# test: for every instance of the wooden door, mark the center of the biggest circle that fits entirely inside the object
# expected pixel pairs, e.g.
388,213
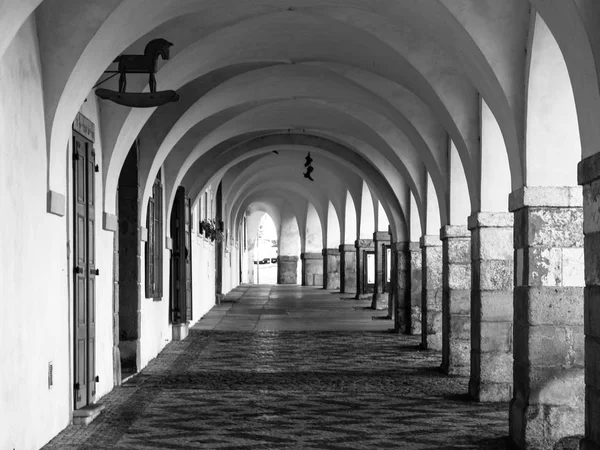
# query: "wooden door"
85,272
181,259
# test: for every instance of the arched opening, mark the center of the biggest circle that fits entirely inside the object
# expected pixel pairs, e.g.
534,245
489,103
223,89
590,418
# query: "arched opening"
266,251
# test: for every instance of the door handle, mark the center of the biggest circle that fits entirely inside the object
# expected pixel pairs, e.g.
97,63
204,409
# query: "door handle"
94,272
78,269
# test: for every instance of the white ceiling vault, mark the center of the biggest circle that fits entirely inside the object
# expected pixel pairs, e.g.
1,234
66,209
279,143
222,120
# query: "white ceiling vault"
377,90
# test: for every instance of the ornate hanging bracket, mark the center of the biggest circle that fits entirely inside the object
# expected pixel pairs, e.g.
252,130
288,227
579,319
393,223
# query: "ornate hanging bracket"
140,64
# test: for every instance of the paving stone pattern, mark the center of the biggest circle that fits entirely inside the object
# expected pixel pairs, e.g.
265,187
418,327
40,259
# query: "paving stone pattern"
290,367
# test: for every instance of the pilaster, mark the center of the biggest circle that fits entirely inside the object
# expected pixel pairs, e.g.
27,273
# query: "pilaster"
348,268
312,269
380,300
491,306
548,348
331,269
456,299
431,292
287,269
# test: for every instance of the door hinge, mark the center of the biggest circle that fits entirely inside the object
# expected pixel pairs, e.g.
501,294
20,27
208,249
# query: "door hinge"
97,168
97,379
77,386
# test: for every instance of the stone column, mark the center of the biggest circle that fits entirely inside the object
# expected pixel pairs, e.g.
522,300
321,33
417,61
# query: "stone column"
491,306
312,269
548,373
402,289
331,269
589,178
416,287
431,293
380,298
287,269
348,268
456,299
362,246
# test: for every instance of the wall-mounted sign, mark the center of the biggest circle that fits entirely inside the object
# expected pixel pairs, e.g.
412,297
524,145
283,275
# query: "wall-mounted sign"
85,127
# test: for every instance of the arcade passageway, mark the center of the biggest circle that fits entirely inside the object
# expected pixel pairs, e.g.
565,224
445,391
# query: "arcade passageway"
292,367
437,161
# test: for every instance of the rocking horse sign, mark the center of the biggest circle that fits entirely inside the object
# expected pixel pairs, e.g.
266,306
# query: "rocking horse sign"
140,64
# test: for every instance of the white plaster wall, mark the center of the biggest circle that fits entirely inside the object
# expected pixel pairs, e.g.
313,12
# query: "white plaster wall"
203,275
459,200
415,230
553,146
314,231
432,221
495,171
34,305
367,214
155,330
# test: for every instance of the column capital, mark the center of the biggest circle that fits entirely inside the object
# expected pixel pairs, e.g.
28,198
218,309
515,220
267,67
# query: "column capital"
287,258
588,169
310,255
430,240
546,196
454,231
330,251
379,236
363,243
347,248
491,220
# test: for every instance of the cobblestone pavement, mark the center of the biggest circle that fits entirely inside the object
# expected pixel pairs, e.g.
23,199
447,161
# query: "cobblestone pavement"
280,367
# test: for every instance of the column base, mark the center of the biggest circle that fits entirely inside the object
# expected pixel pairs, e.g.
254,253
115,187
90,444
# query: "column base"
380,301
542,425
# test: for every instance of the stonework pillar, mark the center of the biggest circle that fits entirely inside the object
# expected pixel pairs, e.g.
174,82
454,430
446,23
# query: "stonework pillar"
287,269
331,268
456,299
381,239
362,247
312,269
348,268
431,293
416,287
548,347
402,289
589,178
491,306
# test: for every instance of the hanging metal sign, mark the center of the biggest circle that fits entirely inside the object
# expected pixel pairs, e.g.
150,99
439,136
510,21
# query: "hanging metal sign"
140,64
